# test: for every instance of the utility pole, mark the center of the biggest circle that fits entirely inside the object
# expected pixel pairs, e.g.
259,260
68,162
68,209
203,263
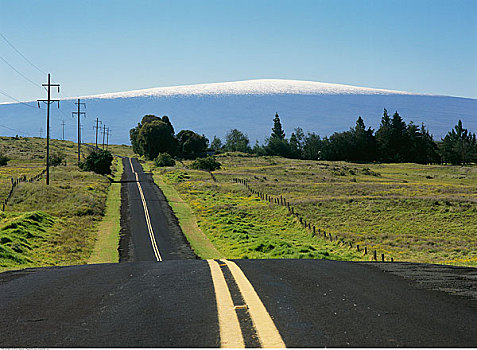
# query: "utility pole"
107,138
48,102
63,125
97,122
79,113
104,133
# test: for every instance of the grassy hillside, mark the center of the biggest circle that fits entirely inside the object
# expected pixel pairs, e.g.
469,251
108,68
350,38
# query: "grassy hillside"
242,226
48,225
408,211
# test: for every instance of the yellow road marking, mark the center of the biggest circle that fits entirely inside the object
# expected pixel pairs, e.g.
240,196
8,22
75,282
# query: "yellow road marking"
267,332
230,332
157,254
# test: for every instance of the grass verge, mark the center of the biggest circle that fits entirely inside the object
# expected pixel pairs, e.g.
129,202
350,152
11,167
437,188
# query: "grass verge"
241,226
107,240
187,220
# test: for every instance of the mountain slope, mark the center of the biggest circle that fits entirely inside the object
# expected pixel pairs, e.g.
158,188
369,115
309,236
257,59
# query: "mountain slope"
213,109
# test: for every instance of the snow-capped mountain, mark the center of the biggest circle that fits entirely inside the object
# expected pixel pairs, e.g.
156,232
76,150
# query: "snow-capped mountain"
213,109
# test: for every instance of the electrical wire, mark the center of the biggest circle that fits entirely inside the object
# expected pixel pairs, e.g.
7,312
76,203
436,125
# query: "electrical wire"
16,70
13,98
18,51
20,131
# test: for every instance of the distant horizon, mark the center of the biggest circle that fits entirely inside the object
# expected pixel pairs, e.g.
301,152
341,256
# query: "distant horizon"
112,94
94,47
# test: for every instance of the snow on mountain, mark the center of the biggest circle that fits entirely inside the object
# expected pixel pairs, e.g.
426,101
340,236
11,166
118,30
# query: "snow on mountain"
252,87
213,109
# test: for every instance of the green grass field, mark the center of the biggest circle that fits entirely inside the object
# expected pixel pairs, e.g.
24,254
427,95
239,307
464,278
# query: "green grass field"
242,226
59,224
407,211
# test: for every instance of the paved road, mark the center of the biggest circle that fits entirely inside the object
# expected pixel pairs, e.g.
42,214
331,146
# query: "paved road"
312,303
165,297
151,230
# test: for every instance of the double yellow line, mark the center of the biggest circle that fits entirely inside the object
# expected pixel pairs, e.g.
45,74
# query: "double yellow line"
230,332
157,254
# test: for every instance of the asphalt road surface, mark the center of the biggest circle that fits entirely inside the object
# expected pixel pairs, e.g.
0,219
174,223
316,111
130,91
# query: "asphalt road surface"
313,303
151,229
165,297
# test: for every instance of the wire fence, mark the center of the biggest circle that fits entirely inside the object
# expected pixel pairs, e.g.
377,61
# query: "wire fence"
19,180
315,231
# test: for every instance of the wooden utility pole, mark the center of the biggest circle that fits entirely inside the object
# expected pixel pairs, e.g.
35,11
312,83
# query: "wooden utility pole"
48,102
63,125
79,113
104,133
107,138
97,122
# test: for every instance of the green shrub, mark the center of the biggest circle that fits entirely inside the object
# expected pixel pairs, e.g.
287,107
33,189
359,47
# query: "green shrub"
99,162
3,160
208,163
57,158
164,159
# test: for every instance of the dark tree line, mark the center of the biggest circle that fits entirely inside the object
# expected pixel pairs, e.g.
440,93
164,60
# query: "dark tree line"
394,141
155,135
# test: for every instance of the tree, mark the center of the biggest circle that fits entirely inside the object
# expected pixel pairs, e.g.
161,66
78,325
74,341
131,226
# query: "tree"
312,147
363,143
383,138
134,133
156,137
98,161
422,148
236,141
216,144
276,144
277,131
459,146
133,136
208,163
297,139
191,145
164,159
258,149
399,143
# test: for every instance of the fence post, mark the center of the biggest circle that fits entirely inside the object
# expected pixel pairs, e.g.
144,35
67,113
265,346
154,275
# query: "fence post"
357,247
314,233
365,250
374,256
382,257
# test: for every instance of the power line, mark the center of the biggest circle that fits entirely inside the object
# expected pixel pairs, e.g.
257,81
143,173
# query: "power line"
13,98
26,59
20,131
16,70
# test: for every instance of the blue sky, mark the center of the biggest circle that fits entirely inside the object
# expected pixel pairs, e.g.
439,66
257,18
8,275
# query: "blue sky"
93,46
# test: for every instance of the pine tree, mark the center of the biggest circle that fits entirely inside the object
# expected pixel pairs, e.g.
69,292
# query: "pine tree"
459,146
383,138
277,131
399,143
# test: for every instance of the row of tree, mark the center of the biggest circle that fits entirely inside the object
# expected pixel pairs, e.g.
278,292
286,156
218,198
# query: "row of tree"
155,135
394,141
